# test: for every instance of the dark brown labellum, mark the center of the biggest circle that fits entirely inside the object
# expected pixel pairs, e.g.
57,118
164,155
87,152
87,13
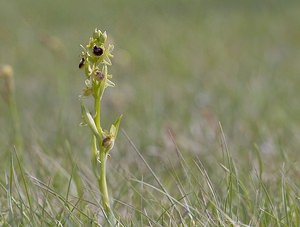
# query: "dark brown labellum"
107,142
99,75
98,51
81,63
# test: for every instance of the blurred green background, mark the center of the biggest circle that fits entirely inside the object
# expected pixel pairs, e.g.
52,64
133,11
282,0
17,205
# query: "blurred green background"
180,68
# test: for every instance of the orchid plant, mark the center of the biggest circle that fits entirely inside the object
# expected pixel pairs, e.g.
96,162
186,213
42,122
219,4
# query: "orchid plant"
95,59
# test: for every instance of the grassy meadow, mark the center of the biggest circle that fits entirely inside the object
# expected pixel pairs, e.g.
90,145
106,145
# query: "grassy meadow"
209,92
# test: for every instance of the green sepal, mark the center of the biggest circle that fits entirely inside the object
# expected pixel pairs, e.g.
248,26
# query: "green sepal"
109,83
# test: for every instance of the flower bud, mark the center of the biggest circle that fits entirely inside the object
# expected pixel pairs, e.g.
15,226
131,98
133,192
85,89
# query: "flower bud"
87,91
6,71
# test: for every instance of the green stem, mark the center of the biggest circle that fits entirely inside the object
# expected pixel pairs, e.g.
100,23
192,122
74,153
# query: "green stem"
9,80
103,189
16,122
98,113
103,158
102,182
